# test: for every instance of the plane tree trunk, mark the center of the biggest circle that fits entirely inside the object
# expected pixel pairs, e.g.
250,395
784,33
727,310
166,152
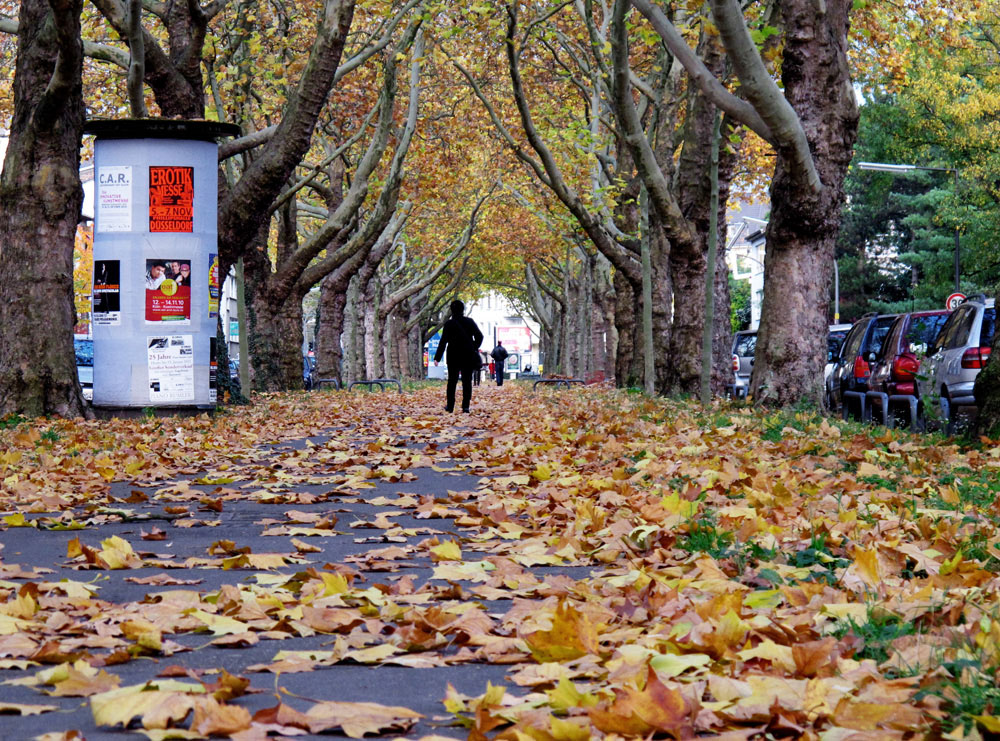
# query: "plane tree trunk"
811,121
40,199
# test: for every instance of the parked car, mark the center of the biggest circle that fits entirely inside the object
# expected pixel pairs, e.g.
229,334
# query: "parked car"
834,341
848,382
308,372
892,390
83,346
234,374
947,374
744,345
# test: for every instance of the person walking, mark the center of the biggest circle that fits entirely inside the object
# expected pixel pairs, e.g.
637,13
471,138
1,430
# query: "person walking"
499,355
462,338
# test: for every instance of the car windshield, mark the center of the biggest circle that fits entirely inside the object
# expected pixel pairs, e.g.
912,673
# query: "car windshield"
924,329
84,351
880,328
745,345
834,341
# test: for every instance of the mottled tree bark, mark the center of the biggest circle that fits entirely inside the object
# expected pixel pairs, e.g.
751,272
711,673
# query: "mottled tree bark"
40,198
275,319
802,231
628,306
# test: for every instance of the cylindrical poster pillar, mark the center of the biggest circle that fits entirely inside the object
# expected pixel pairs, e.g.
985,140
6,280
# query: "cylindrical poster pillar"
156,276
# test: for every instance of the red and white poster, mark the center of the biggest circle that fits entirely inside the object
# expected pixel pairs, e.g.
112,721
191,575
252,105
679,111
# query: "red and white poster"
171,199
168,291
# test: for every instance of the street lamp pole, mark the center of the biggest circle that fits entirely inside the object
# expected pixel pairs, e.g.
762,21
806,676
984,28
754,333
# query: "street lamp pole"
886,167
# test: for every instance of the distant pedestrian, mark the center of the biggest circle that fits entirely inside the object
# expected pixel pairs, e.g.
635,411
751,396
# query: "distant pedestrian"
499,355
462,338
477,373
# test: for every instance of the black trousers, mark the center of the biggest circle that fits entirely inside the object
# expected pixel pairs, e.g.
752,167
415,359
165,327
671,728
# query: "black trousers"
454,373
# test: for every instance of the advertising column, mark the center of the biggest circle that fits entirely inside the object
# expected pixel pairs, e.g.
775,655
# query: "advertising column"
156,283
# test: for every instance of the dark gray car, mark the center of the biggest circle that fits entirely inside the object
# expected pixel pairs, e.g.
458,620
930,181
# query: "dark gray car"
848,382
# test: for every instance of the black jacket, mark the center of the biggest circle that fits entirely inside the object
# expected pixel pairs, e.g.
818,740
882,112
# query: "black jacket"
499,354
462,339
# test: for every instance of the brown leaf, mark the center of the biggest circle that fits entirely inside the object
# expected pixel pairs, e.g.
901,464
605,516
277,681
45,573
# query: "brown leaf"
654,708
357,719
212,718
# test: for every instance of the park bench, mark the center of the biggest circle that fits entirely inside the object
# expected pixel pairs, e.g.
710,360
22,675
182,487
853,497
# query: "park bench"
557,382
380,382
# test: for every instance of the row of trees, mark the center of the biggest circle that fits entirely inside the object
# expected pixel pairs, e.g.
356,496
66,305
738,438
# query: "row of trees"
393,162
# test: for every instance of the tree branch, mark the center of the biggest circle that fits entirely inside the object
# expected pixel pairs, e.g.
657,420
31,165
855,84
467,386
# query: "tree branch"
739,109
763,92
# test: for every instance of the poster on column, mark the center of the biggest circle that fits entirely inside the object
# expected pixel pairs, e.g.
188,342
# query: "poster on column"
170,362
171,199
168,291
107,293
213,285
114,199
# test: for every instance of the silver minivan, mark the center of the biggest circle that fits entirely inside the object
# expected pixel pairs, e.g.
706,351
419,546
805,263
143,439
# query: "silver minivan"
948,372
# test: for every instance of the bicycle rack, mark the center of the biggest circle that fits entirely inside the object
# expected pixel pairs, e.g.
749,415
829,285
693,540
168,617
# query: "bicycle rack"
557,382
380,382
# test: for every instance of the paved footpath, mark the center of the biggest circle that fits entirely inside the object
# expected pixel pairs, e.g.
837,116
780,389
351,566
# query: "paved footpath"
316,569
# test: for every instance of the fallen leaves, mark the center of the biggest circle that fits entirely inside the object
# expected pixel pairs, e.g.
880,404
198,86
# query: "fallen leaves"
640,567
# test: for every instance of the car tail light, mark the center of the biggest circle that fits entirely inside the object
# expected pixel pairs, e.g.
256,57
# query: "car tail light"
905,367
861,368
975,357
736,363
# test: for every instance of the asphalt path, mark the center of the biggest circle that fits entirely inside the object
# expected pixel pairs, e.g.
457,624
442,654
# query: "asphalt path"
252,502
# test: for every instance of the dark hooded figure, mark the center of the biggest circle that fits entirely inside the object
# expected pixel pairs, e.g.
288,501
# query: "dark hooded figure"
462,338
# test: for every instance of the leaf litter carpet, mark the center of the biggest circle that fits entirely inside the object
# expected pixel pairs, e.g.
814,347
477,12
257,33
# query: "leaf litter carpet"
557,565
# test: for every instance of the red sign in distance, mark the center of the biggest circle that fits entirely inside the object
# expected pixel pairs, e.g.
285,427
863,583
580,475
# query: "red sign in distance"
953,301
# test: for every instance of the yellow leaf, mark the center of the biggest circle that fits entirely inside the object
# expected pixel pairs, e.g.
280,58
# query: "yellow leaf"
542,472
990,722
668,666
18,520
117,553
157,704
952,563
866,561
220,625
447,551
566,696
372,655
568,730
675,505
780,656
763,599
572,635
144,633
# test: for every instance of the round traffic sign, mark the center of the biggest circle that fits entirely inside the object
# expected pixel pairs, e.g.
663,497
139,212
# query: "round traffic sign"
954,300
